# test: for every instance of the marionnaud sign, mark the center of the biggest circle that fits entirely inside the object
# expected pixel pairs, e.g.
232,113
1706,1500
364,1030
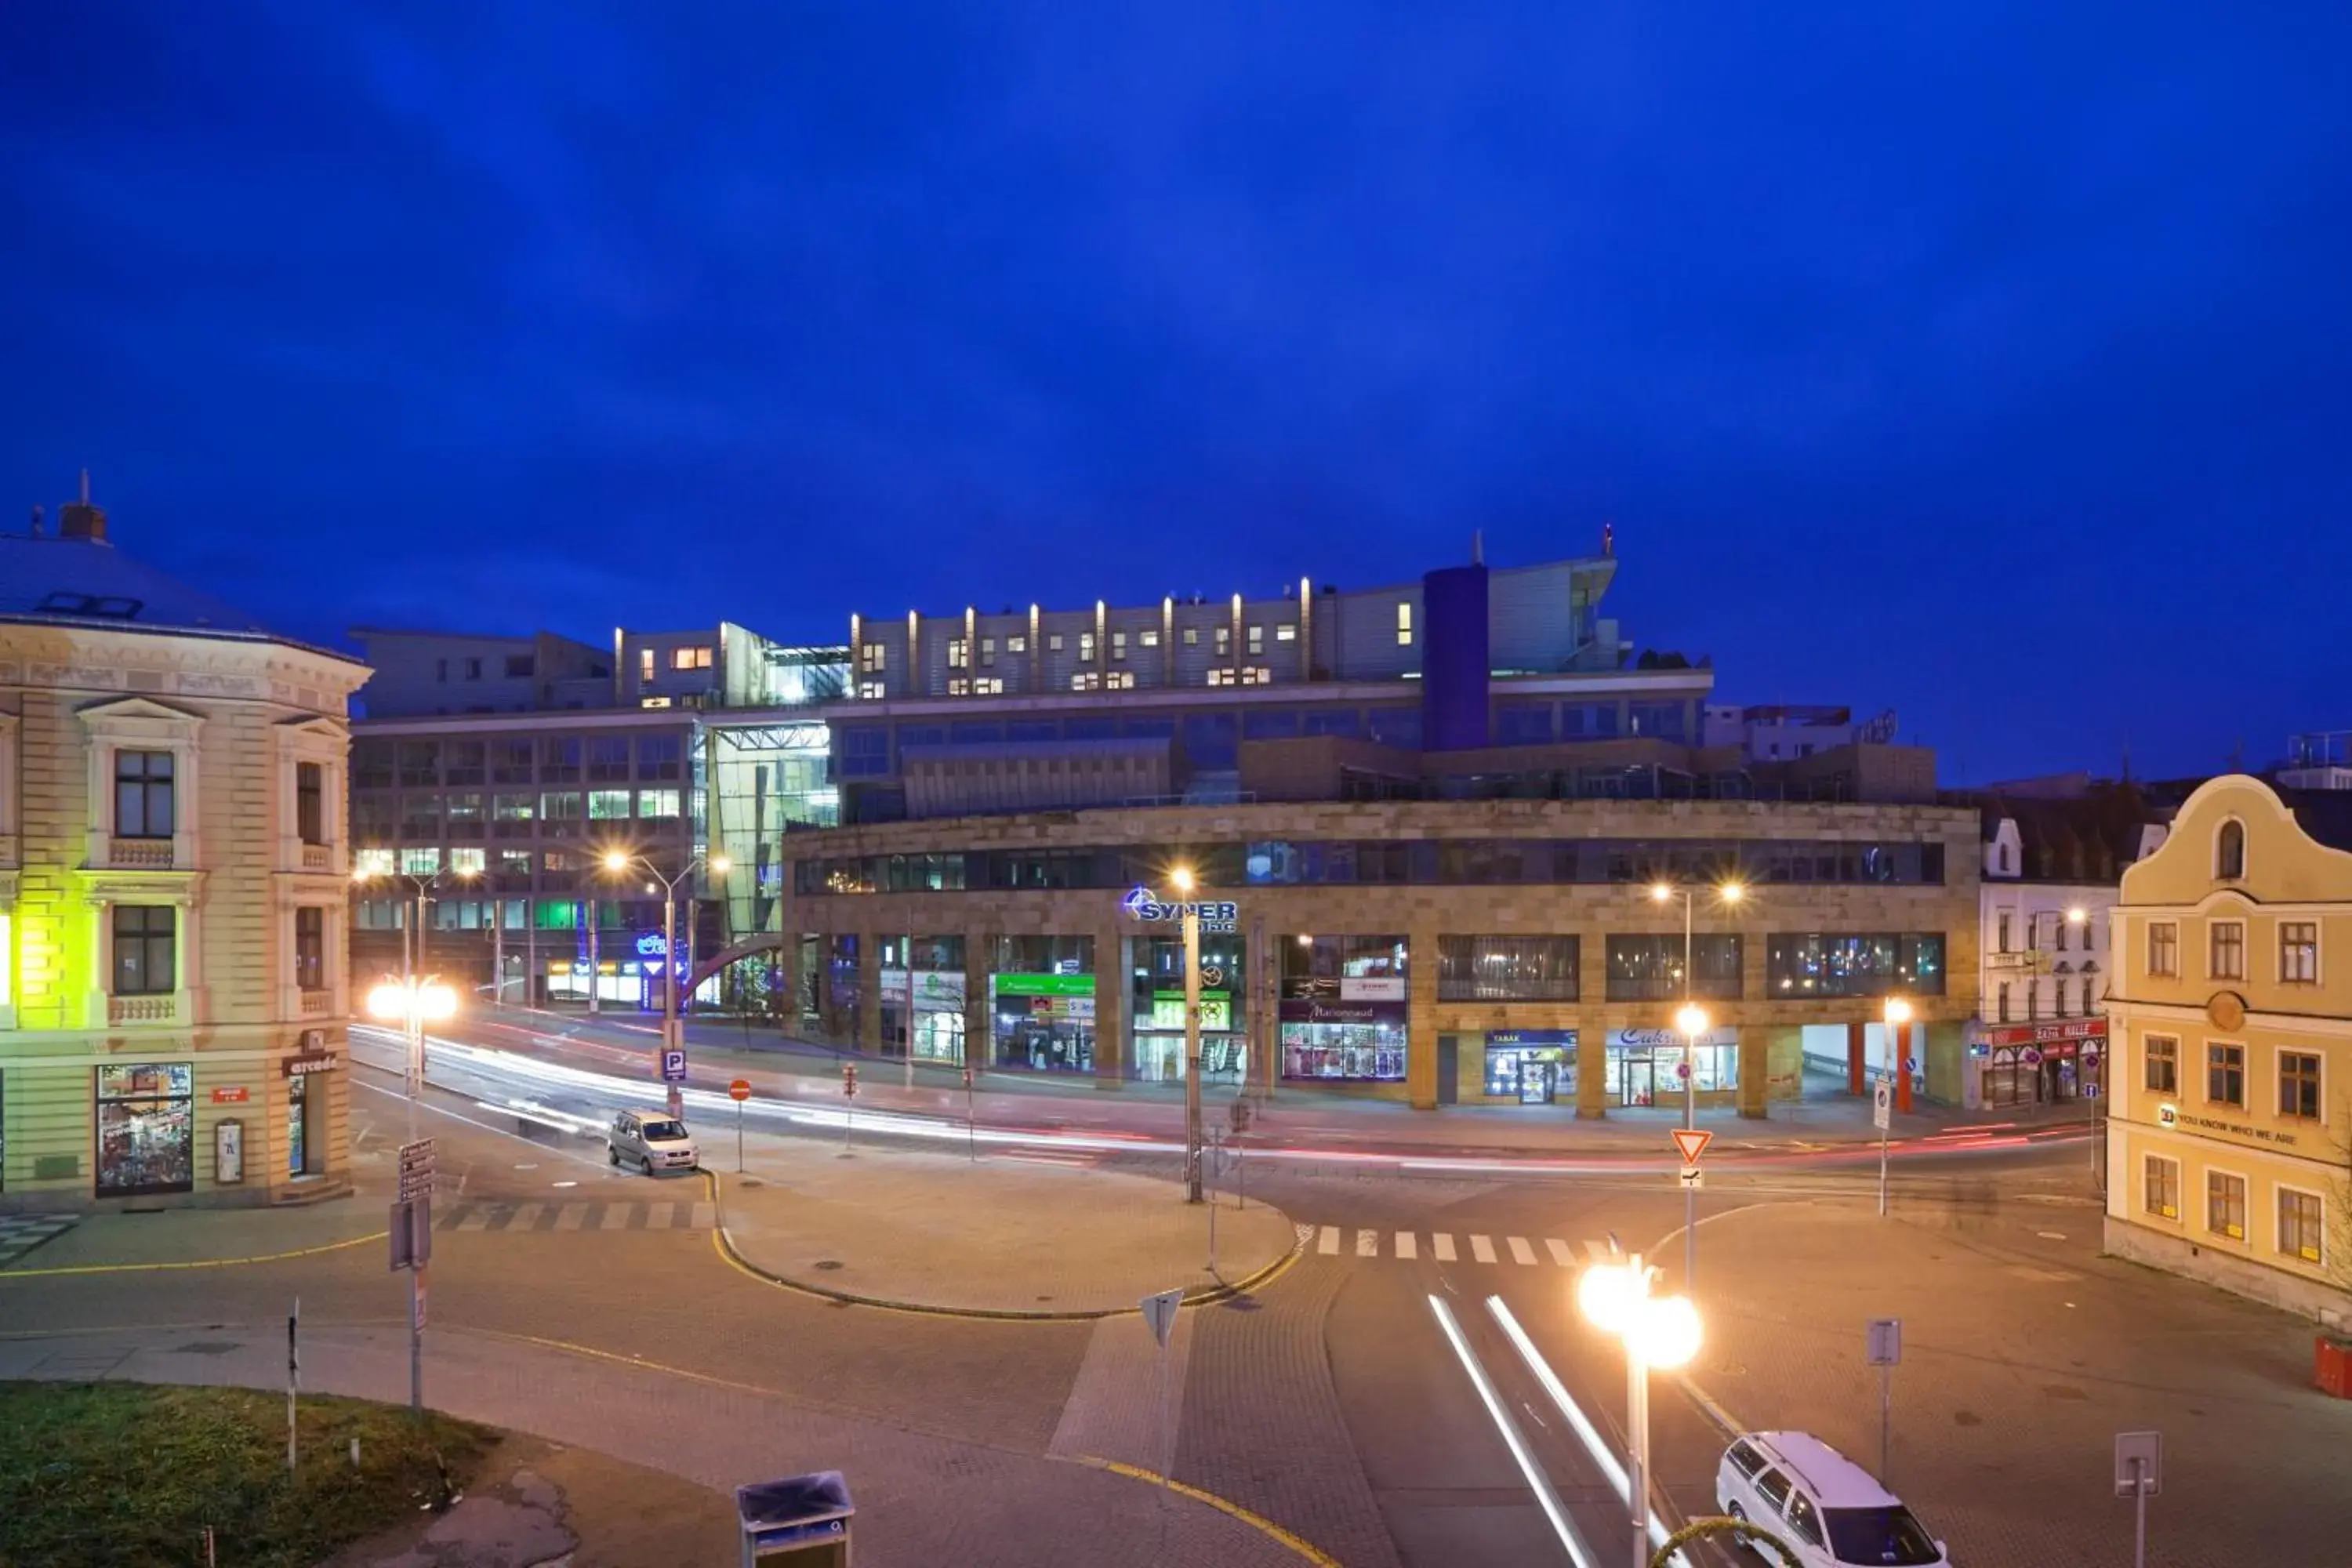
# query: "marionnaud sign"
1142,904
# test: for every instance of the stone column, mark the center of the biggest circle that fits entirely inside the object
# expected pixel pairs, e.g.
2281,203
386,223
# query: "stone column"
1420,1016
1853,1054
786,997
1754,1070
869,992
1110,1008
1591,1037
979,963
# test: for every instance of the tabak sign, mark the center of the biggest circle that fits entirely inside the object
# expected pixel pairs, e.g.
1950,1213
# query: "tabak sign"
1142,904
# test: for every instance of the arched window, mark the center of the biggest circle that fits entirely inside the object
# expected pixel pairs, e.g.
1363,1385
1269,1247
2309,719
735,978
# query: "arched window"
2230,851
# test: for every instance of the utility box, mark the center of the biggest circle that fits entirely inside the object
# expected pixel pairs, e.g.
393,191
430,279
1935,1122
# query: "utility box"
2333,1368
803,1519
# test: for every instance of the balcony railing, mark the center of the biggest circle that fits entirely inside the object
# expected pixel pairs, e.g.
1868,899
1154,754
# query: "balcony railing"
317,1003
315,857
139,854
141,1009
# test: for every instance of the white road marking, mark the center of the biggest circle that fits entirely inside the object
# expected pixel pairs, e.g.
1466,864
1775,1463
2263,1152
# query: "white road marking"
1443,1245
1329,1246
1520,1251
569,1216
616,1217
1368,1244
1559,1252
1406,1246
657,1216
526,1217
1482,1249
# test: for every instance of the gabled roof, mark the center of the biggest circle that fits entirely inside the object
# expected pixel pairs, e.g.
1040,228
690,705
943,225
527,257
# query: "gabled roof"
2086,839
88,582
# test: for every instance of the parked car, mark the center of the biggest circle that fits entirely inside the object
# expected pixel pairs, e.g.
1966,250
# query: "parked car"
652,1141
1829,1510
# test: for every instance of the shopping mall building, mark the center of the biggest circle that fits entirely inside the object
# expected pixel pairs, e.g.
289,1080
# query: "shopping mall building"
1426,823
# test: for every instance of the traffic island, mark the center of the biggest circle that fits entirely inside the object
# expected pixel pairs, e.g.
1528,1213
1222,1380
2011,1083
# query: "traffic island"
999,1237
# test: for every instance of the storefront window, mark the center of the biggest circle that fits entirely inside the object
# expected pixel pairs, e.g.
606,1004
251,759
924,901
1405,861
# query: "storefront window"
935,1012
1874,964
1650,968
1044,1023
1336,1041
1534,1066
1645,1066
1507,968
146,1129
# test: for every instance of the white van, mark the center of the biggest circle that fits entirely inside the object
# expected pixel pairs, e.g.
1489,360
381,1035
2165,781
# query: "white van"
1827,1508
651,1140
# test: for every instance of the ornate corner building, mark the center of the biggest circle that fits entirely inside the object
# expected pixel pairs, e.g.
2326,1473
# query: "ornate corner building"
173,884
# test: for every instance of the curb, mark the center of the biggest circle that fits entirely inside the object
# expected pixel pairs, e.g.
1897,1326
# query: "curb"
724,1244
13,1273
1715,1413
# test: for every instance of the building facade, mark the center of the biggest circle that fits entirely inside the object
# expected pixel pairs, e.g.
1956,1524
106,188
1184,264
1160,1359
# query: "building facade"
1441,952
173,871
2229,1132
2050,874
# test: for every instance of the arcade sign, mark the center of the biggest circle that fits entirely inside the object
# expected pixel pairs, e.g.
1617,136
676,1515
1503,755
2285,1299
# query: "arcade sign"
1142,904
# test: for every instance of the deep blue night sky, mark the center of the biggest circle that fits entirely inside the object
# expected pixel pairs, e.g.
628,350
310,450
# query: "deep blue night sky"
1983,360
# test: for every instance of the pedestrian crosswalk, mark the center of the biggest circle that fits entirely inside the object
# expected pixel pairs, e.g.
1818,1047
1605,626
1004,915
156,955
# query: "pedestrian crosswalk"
20,1233
635,1215
1444,1247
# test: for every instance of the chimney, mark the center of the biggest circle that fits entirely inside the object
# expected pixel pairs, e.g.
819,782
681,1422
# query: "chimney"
79,520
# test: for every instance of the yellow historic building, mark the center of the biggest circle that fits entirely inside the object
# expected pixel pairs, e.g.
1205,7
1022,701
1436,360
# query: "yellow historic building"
2229,1137
173,878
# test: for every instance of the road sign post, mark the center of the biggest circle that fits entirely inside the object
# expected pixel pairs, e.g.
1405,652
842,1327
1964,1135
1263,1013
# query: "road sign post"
849,1106
2139,1475
970,1119
738,1092
1883,1345
412,1216
1882,1113
1690,1142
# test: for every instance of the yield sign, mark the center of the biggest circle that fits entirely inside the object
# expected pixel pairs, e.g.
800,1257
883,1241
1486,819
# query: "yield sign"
1693,1142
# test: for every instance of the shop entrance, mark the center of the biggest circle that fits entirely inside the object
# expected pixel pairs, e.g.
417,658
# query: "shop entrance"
1533,1067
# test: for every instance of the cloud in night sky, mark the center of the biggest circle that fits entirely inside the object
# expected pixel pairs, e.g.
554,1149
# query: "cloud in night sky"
1981,360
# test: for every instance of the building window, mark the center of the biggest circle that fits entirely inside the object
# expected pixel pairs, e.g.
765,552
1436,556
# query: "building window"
645,664
1220,675
441,670
473,670
2062,933
2000,932
142,794
2227,956
958,687
1119,645
959,652
2162,1073
2087,1004
520,666
1256,641
310,802
988,686
656,805
2225,1205
1224,641
608,805
2230,852
2163,947
1650,968
2032,1001
869,690
1148,639
1286,632
1086,645
2003,995
2300,1215
2298,1084
467,862
1054,642
1404,624
1256,674
1191,636
1122,681
1507,968
689,658
144,964
2225,1074
310,947
2161,1197
873,658
1016,645
146,1129
988,653
2299,953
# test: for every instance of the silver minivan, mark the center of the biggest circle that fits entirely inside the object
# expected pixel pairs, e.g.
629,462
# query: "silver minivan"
652,1141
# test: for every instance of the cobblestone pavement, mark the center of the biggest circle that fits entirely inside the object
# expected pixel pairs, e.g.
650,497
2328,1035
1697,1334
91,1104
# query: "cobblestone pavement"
2024,1353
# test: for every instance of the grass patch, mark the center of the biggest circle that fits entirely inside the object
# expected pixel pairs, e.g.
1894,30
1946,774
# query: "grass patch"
129,1473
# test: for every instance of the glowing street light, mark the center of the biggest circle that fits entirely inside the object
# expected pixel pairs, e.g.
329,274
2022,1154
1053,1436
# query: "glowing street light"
1181,879
617,861
1692,1020
1657,1331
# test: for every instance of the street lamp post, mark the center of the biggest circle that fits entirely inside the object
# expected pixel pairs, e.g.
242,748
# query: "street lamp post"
412,960
1662,1332
1181,878
1898,1013
618,860
414,1004
1693,1022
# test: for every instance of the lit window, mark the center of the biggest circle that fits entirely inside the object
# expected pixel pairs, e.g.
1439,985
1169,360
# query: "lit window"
1257,639
1404,624
989,686
1221,675
2225,1205
1054,642
664,701
2163,947
2299,952
645,664
657,805
467,862
2162,1191
1224,641
869,690
1016,645
987,653
1122,681
689,658
1085,645
1119,645
1148,639
958,687
1086,680
2299,1220
959,652
1191,636
2228,951
1286,632
873,658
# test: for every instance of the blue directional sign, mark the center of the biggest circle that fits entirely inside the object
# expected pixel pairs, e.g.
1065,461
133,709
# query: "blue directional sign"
674,1066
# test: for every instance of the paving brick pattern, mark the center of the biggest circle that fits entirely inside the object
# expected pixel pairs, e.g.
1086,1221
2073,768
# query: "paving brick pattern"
1261,1423
2022,1357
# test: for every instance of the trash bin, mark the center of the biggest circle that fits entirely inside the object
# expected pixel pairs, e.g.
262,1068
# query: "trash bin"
2334,1368
803,1518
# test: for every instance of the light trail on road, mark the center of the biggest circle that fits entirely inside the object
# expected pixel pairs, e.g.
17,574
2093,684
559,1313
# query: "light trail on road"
1537,1482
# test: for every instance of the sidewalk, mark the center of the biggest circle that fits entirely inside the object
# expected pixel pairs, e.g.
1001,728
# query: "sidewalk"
2024,1353
1002,1237
200,1238
782,1068
922,1499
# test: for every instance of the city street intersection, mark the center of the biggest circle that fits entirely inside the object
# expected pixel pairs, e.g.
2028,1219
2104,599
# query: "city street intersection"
1330,1411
